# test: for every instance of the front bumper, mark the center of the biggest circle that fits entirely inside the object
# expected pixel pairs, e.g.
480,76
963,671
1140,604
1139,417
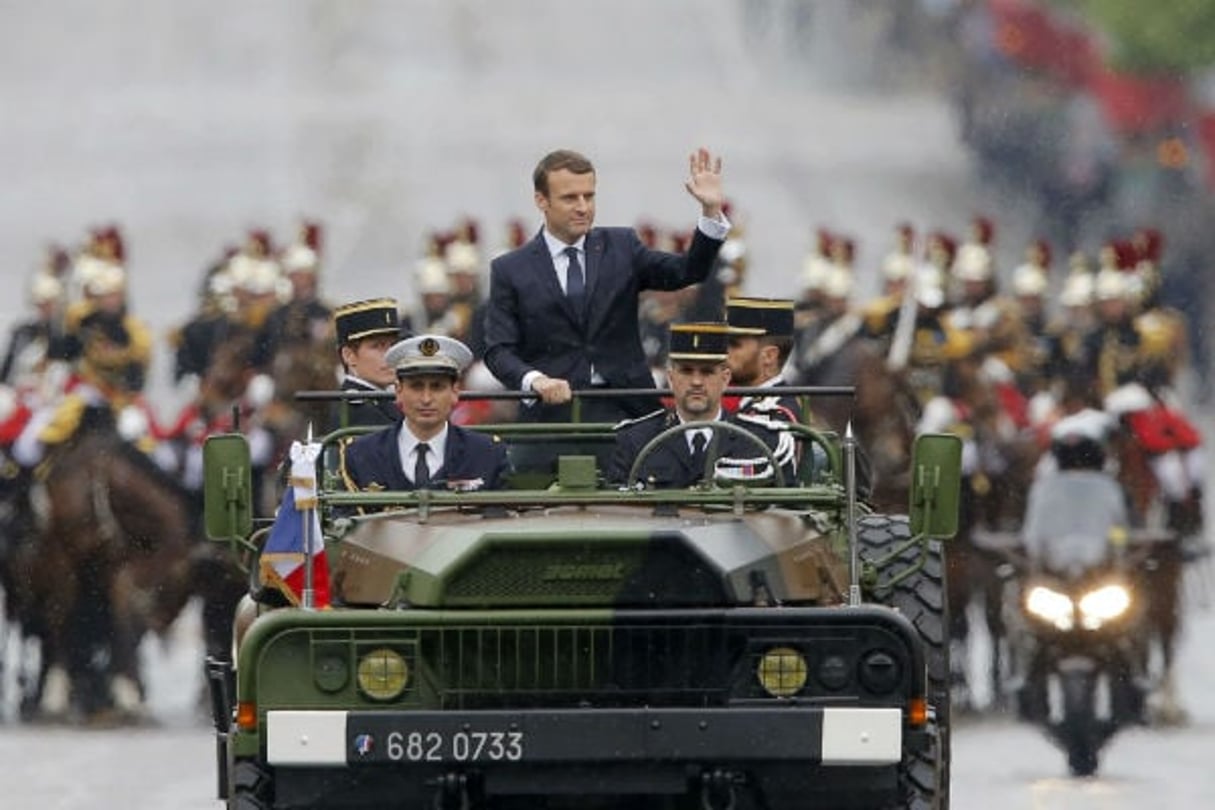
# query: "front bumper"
330,757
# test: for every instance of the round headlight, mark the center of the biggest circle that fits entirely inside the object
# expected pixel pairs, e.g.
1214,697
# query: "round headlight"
1103,605
782,671
1051,606
382,674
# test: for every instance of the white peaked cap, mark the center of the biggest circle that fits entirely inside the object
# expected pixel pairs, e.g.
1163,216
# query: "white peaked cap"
428,354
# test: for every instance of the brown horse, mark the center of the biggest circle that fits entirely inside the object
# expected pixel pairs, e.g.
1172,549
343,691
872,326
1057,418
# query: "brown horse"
1161,575
883,416
117,531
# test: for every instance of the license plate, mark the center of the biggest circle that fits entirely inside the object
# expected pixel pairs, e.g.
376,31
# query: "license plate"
434,745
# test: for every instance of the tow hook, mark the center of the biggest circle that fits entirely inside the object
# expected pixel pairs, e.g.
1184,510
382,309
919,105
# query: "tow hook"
451,791
717,789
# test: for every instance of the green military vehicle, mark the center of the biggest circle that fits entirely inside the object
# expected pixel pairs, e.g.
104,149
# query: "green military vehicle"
742,643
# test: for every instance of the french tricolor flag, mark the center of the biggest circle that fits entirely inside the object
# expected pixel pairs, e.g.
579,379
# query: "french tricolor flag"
297,527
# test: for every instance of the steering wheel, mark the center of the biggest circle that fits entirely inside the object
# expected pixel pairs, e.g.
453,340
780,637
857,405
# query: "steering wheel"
712,452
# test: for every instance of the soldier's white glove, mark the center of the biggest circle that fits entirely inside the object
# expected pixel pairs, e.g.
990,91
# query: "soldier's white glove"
260,391
132,423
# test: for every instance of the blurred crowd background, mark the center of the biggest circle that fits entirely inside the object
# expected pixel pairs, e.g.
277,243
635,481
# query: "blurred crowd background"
167,139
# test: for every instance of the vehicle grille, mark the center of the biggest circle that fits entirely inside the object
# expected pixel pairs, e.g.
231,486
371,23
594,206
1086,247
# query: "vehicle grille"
489,667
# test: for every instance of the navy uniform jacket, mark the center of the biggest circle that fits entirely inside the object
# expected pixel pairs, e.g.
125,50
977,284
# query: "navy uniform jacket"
530,324
374,461
368,412
783,407
670,464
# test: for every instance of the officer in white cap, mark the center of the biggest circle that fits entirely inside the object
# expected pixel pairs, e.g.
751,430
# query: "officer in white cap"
424,450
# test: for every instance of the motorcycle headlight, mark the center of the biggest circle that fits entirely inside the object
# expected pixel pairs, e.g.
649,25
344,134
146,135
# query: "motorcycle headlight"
1103,604
1051,607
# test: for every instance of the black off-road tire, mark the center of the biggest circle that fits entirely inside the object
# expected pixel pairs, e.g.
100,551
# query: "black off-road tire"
921,597
252,787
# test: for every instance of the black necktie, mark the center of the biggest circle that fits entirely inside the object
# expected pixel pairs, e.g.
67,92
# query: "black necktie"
698,451
421,470
575,287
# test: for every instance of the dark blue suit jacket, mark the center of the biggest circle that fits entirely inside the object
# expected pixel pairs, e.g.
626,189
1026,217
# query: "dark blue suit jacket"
530,323
373,460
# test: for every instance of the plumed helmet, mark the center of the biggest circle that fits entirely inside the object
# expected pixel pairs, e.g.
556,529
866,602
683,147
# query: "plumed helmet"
1111,284
897,266
105,278
838,283
1077,290
462,257
300,258
973,263
1029,281
254,276
45,288
431,276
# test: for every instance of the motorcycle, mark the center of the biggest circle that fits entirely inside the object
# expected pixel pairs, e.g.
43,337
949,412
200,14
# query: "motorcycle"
1082,646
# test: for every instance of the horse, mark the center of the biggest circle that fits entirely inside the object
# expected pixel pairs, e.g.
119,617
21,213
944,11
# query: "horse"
883,415
1162,575
117,531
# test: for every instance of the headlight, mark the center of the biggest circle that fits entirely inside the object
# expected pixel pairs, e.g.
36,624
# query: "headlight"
382,674
1051,606
1103,605
782,671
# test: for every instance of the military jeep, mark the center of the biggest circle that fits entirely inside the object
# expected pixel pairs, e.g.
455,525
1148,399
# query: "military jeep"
563,643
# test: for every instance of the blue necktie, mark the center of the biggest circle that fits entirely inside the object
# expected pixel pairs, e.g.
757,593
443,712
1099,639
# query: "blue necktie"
575,287
421,470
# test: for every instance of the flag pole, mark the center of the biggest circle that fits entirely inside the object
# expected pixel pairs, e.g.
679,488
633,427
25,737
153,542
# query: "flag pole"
308,600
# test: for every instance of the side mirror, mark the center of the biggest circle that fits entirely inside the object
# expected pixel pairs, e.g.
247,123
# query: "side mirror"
936,483
227,487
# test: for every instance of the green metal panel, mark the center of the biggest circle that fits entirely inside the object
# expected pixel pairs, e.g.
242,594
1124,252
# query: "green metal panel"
227,487
936,478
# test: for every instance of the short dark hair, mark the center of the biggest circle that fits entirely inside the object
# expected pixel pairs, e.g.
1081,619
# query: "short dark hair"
566,159
783,344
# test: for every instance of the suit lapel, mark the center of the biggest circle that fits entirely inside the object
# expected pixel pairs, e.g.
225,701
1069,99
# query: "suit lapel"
389,458
594,246
543,259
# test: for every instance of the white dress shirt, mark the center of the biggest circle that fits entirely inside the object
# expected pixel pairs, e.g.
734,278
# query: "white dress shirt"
407,448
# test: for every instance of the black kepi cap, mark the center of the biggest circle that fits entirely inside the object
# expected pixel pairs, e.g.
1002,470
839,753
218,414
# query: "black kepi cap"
360,319
772,317
707,342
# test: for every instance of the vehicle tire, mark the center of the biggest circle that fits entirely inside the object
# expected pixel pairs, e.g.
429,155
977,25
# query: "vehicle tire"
1078,728
252,787
921,598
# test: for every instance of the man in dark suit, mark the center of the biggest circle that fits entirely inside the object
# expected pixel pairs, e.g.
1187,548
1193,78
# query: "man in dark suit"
365,331
424,450
698,375
562,309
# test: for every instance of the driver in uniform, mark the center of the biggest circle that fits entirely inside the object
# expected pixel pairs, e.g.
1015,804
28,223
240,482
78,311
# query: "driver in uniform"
698,373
